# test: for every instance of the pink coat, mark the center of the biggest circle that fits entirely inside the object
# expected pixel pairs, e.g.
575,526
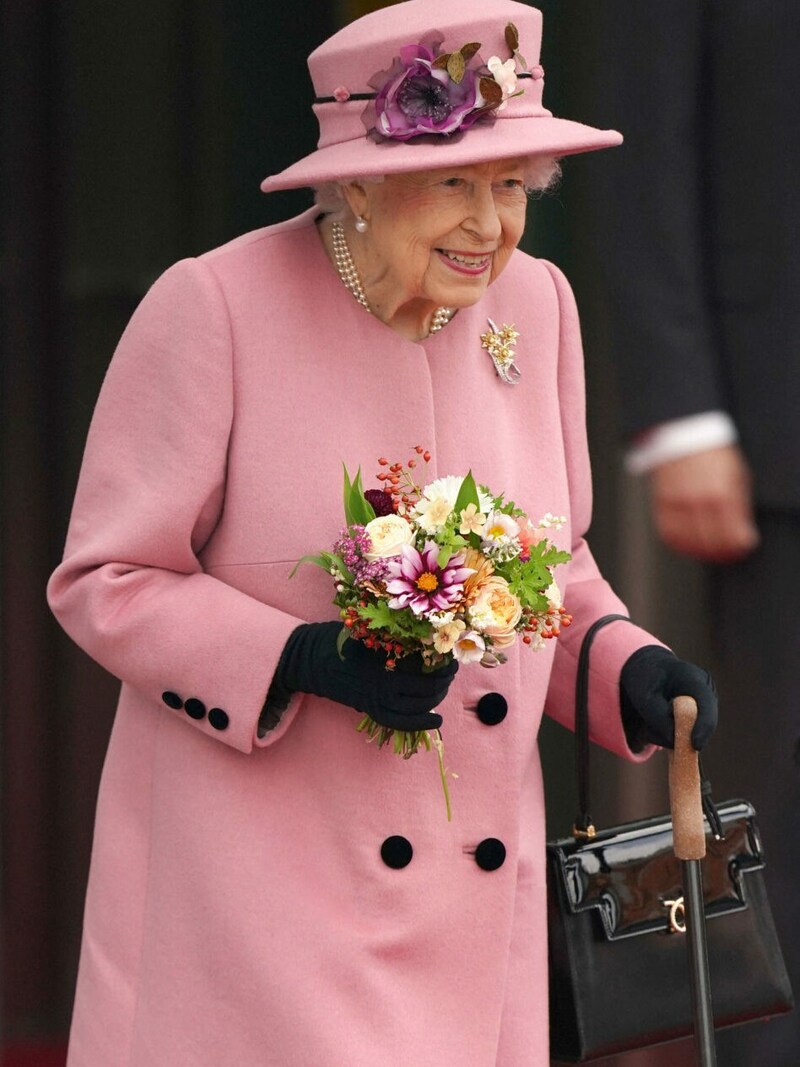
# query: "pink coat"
239,911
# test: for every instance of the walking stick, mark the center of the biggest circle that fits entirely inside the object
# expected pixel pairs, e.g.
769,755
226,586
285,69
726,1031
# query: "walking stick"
689,842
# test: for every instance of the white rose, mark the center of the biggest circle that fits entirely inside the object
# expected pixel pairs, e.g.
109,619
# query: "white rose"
388,534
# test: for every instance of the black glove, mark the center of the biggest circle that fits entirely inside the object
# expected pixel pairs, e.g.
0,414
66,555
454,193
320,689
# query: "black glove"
400,699
651,678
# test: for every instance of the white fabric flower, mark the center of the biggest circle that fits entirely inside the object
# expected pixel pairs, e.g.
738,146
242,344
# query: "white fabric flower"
505,75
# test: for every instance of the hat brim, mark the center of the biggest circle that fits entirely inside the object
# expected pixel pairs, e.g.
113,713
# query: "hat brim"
505,138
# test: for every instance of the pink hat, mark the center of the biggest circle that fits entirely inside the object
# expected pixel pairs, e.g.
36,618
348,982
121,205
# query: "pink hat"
406,89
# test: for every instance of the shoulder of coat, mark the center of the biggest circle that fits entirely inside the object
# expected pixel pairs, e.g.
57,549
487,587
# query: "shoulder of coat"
264,239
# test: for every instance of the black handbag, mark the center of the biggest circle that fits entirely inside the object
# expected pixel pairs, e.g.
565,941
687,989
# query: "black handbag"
618,967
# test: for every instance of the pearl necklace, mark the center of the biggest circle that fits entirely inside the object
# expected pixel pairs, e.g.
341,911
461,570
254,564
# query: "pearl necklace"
346,269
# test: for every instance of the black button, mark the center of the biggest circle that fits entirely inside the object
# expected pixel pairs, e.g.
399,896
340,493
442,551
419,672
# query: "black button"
492,708
396,852
194,708
218,719
490,854
172,700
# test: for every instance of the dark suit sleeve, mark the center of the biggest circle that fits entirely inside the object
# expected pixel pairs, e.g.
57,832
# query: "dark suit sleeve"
648,206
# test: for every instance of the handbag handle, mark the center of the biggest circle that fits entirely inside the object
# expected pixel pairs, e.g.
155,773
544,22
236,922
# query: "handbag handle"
583,821
584,827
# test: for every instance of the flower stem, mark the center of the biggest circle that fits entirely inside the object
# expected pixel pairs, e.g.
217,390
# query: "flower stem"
406,743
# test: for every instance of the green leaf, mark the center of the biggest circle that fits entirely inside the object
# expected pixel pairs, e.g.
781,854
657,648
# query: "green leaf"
467,494
346,495
357,509
456,67
445,554
512,37
341,640
491,92
321,561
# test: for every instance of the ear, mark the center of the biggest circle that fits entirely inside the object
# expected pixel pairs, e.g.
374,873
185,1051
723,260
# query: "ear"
356,196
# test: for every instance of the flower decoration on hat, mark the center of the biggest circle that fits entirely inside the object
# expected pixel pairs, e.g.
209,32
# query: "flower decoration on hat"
427,91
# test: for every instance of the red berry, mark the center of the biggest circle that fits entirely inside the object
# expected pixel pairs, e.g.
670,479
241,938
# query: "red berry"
383,461
412,463
419,449
427,457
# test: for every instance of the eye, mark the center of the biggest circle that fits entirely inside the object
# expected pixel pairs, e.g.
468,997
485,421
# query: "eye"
453,183
512,183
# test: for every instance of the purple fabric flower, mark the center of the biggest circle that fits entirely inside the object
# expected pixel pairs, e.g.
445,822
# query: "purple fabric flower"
416,99
418,582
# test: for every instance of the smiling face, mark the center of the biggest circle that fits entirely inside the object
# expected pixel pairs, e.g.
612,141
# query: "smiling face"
436,238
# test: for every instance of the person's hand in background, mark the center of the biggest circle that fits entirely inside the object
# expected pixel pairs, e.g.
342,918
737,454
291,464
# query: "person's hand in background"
702,505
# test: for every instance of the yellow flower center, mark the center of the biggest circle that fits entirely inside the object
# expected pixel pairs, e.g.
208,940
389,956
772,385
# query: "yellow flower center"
496,531
427,582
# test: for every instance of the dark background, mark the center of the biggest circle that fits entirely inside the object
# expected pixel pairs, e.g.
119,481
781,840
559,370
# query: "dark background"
133,134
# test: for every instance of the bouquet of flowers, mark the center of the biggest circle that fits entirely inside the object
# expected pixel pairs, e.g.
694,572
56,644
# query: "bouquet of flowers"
446,570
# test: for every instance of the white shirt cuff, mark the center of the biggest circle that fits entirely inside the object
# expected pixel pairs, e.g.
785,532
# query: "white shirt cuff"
678,438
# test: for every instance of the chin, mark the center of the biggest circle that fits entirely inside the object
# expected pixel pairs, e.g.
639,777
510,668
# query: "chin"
459,296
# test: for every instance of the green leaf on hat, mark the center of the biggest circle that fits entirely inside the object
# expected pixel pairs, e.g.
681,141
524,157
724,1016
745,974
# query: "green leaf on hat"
491,92
469,50
512,37
456,67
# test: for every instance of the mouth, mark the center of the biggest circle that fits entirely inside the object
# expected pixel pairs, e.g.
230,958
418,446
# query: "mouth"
472,263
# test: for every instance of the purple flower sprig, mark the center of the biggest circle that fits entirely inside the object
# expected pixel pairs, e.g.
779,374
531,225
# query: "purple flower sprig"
353,545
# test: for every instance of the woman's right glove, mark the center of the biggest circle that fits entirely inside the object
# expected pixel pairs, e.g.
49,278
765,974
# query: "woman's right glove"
400,699
650,680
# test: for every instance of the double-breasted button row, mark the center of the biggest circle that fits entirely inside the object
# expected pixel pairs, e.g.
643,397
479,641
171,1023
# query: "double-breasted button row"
196,709
397,852
492,708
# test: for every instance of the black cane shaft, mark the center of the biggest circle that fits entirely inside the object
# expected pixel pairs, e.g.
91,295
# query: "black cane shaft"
698,964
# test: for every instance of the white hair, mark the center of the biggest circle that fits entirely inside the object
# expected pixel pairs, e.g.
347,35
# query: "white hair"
540,174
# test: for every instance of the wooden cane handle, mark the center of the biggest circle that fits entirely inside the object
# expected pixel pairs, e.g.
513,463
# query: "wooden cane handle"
684,785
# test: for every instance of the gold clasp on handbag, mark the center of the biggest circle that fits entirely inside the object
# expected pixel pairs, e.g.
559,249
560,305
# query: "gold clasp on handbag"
589,832
677,915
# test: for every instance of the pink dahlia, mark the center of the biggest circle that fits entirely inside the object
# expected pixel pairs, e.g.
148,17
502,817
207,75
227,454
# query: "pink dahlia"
418,582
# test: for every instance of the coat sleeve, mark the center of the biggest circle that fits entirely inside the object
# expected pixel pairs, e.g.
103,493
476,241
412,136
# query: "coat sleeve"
130,590
586,593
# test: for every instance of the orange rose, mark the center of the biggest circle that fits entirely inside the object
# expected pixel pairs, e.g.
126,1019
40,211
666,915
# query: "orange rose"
495,611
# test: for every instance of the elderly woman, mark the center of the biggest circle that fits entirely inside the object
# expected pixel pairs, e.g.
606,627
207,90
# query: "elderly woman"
266,888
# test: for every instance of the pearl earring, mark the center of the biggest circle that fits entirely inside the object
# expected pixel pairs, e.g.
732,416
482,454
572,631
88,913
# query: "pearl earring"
361,224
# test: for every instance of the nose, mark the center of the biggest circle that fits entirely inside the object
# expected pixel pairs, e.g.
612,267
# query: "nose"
483,219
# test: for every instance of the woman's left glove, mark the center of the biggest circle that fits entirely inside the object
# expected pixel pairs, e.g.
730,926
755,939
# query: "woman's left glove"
650,680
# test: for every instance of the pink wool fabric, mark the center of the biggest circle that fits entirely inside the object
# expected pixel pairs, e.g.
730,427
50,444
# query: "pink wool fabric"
238,909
